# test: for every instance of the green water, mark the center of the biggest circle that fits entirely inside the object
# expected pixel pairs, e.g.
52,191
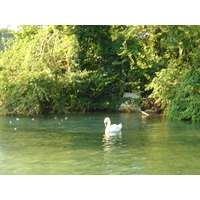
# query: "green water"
76,145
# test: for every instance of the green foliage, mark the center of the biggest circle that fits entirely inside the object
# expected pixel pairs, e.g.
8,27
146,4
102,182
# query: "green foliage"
38,78
177,85
5,37
58,68
30,94
185,104
162,84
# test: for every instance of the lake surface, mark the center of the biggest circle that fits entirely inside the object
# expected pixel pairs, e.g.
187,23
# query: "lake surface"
75,144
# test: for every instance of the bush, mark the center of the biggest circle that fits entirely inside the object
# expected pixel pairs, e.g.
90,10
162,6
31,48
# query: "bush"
185,104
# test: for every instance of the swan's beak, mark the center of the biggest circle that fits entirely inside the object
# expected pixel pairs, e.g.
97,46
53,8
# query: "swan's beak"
105,124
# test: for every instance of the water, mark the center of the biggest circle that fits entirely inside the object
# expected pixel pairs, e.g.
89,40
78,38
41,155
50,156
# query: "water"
75,144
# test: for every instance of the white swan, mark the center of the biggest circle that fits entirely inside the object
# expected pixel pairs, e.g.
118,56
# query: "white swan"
113,129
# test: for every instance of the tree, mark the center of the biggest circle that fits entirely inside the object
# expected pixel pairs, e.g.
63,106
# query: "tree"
177,85
57,68
5,36
38,72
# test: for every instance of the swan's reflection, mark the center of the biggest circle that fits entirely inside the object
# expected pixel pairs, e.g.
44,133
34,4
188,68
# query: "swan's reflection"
111,142
110,145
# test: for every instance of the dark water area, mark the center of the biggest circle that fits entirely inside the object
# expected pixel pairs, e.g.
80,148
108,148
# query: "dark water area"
75,144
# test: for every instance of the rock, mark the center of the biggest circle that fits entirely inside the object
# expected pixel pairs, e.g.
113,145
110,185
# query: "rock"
130,95
126,107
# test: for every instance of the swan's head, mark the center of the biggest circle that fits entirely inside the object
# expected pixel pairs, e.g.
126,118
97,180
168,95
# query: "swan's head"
107,121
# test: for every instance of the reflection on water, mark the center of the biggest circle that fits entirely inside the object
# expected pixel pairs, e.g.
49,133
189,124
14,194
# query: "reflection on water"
112,147
76,144
111,142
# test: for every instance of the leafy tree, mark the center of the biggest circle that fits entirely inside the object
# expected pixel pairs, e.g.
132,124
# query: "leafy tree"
5,36
57,68
185,103
174,85
98,55
39,76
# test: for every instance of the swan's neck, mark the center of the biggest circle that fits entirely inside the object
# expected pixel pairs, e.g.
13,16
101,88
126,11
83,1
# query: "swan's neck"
107,127
108,124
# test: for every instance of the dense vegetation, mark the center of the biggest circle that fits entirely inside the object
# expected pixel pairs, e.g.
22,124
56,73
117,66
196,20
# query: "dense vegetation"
58,68
5,36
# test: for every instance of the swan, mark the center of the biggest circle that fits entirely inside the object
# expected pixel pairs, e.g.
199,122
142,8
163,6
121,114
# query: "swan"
113,129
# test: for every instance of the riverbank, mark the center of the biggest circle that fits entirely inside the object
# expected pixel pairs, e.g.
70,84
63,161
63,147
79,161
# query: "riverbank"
130,103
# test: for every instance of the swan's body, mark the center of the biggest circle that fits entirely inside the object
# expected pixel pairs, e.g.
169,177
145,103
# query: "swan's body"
113,129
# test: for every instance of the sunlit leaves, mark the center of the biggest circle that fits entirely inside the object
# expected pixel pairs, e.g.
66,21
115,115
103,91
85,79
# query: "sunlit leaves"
177,85
56,68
